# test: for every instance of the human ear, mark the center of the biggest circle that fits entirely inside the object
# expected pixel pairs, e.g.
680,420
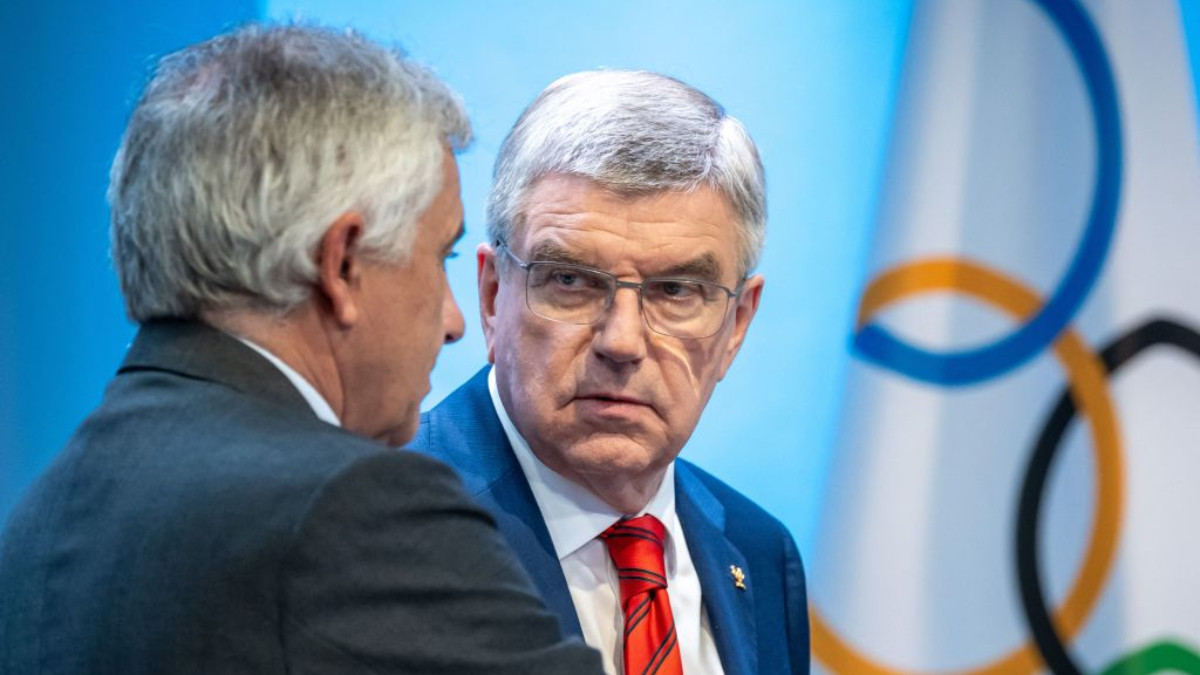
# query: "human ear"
743,314
489,286
339,268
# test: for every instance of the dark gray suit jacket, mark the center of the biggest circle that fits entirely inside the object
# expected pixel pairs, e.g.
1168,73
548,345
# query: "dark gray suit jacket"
203,520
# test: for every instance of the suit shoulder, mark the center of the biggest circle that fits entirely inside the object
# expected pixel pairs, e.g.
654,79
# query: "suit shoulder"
464,431
412,475
176,442
314,457
754,522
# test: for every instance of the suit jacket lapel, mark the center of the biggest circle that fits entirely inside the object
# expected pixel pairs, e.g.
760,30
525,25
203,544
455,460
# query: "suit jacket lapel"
730,609
486,462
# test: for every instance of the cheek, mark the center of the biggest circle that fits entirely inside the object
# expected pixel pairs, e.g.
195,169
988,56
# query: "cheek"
688,375
510,303
550,361
425,323
513,345
543,358
687,367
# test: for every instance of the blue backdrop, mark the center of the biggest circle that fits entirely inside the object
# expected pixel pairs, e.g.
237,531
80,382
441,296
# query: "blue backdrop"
813,81
70,73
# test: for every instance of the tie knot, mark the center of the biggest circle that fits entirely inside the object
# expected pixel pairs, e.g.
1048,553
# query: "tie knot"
636,547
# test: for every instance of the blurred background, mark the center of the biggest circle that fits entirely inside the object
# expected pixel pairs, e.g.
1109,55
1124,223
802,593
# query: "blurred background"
946,157
814,82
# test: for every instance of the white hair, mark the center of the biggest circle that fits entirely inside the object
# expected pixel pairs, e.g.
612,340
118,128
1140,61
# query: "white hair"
244,149
635,133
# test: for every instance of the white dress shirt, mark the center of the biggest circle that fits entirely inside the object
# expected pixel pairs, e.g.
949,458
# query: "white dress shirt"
316,401
575,517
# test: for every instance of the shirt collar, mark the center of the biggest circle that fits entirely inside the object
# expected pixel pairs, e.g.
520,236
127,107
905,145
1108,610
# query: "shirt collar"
574,516
316,401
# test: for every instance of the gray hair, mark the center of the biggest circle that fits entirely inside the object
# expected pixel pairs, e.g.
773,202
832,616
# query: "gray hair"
244,149
635,133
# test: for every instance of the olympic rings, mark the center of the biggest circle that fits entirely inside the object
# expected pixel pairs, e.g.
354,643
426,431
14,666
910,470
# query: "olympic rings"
878,345
1089,388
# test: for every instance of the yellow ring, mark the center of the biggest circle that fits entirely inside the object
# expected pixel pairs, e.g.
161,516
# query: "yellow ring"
1089,388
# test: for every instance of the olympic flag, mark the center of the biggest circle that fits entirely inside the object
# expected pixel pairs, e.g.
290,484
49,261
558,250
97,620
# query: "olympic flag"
1016,477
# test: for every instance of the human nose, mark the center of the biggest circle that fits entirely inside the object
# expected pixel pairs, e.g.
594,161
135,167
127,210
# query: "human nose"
621,334
453,325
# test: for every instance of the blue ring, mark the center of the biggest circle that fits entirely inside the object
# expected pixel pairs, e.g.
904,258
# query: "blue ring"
878,345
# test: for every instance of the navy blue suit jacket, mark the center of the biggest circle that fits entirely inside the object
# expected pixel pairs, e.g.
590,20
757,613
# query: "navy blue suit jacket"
762,629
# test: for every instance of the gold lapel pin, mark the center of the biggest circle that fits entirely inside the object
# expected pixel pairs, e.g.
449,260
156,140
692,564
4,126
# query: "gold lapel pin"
739,577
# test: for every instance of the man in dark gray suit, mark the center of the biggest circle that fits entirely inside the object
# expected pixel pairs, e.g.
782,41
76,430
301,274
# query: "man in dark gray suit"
283,202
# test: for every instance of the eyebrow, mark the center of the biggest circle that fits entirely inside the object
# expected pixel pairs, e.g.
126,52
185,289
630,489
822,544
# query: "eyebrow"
705,267
549,251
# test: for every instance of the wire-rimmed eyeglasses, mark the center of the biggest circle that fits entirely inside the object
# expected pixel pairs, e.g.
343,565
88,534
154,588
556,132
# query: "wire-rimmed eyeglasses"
569,293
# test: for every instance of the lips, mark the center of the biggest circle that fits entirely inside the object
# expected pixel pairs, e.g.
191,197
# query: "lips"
606,397
611,408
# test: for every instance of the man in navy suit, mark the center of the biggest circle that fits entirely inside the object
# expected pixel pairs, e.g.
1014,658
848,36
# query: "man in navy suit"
626,218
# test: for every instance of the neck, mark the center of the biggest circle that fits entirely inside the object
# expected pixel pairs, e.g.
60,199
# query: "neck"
627,494
296,338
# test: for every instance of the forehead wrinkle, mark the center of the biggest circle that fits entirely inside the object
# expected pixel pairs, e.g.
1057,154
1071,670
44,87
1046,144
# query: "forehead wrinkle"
646,236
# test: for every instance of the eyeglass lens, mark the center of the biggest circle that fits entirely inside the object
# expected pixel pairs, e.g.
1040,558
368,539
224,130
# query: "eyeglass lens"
573,294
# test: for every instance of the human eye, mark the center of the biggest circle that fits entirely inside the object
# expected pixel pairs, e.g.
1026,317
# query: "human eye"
676,291
680,290
567,278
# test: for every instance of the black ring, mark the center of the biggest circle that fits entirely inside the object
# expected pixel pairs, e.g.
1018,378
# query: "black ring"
1033,600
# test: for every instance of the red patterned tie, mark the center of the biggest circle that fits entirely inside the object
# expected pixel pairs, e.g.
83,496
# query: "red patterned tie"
636,547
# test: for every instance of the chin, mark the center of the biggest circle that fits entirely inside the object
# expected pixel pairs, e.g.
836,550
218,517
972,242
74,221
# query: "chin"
400,435
399,440
616,454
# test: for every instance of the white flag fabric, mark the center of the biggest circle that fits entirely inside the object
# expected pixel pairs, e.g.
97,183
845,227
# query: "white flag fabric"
1018,471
